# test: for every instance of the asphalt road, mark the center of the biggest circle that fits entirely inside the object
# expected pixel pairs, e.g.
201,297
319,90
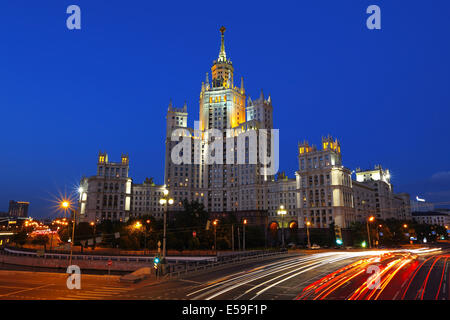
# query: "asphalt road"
378,275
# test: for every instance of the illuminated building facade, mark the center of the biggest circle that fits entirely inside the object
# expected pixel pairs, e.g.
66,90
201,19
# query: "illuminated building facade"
18,209
107,195
220,181
324,186
321,193
381,201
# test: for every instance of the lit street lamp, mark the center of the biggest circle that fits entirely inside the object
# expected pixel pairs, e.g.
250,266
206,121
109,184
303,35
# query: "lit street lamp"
165,200
145,235
244,223
66,205
307,233
215,235
282,212
94,226
370,219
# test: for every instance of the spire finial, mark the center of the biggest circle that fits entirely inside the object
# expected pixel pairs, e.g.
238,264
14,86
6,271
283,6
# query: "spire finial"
222,54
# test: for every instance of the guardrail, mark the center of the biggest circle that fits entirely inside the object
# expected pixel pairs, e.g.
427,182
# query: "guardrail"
90,257
238,258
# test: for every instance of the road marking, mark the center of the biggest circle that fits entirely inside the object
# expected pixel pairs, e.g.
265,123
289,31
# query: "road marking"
24,290
81,298
396,295
84,296
404,283
118,290
190,281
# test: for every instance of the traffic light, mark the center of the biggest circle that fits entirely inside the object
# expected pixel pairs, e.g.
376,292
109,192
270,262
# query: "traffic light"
338,234
156,261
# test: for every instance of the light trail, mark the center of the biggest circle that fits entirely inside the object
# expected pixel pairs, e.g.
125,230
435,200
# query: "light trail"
289,268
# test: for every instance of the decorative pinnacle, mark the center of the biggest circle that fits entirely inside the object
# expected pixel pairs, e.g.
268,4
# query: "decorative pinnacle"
222,54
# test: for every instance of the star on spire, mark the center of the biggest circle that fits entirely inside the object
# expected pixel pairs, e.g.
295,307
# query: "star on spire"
222,54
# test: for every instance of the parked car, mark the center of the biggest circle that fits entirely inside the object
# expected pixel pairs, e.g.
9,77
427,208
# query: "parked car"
315,246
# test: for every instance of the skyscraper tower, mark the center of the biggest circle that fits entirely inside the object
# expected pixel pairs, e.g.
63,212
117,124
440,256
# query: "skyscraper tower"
222,104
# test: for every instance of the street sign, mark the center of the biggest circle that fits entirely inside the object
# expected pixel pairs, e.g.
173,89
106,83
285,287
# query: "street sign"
109,263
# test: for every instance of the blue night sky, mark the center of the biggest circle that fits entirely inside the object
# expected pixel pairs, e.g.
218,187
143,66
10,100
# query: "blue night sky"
65,95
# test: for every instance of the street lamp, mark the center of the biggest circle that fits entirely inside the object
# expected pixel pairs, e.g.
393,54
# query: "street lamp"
282,212
244,223
370,219
215,234
66,205
138,226
165,200
145,235
94,226
307,233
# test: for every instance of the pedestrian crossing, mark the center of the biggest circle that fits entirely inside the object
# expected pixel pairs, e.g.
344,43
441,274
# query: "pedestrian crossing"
105,292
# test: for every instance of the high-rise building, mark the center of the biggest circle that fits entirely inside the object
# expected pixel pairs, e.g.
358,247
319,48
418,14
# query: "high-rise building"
324,186
383,203
219,163
18,209
107,195
223,167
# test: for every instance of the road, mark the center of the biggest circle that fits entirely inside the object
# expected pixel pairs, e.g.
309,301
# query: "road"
338,275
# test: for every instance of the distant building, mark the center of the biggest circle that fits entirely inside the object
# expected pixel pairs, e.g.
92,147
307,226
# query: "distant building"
382,202
18,209
432,217
420,205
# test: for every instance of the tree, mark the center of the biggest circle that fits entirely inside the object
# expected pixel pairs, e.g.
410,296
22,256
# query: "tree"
20,238
41,239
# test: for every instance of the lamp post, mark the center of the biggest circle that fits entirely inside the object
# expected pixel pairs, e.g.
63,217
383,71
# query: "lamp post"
215,235
66,205
165,200
138,226
93,225
243,243
370,219
282,212
307,233
378,233
145,234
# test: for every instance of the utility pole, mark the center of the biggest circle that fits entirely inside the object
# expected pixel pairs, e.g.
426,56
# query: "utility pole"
239,239
243,243
73,236
232,237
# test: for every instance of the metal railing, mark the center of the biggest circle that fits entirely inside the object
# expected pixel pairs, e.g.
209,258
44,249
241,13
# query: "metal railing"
178,270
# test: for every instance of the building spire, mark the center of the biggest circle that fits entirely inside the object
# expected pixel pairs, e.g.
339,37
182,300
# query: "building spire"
222,54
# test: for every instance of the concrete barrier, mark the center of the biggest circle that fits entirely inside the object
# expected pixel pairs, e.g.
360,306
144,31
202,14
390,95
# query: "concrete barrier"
64,263
137,275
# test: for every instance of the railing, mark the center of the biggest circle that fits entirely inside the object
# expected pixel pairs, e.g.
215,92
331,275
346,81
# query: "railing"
176,271
65,256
